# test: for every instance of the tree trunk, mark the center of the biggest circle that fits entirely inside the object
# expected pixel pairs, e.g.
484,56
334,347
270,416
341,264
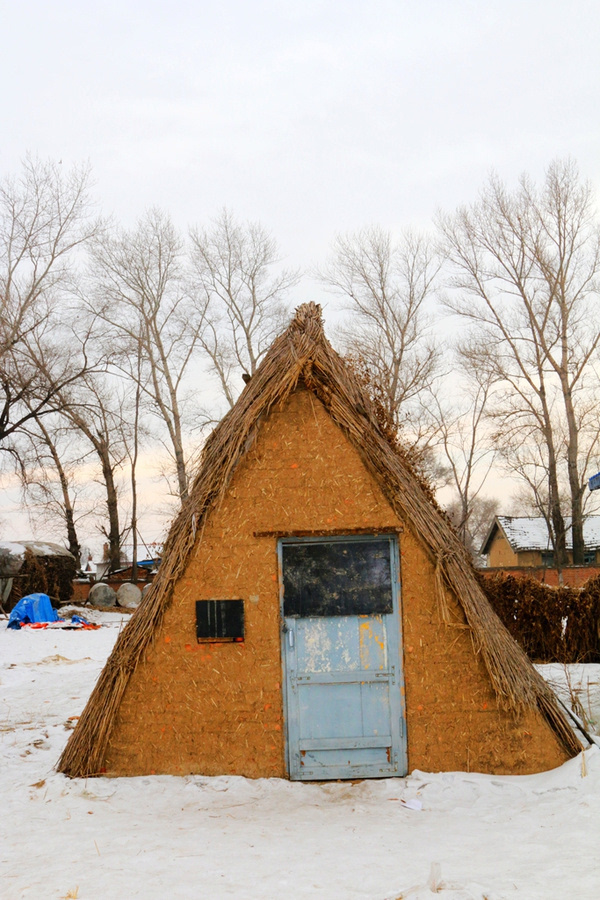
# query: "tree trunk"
576,507
74,545
170,415
134,535
558,521
556,516
99,442
182,480
574,483
181,474
134,549
134,458
114,533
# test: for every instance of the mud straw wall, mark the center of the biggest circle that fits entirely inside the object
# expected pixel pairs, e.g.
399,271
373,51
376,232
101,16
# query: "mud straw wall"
217,708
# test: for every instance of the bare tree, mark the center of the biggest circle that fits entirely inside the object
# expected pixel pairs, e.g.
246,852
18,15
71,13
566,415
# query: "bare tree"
48,463
95,409
386,285
481,515
133,449
466,445
526,276
138,290
44,219
238,284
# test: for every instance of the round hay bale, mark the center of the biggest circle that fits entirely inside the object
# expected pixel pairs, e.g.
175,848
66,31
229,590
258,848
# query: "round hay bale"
147,587
102,595
129,595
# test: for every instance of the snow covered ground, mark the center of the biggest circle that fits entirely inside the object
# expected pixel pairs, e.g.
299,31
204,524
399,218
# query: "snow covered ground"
473,837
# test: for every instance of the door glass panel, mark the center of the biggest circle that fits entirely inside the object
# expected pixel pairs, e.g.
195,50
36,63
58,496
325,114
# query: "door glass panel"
337,578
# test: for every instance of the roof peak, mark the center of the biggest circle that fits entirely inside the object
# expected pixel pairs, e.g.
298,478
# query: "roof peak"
308,319
308,310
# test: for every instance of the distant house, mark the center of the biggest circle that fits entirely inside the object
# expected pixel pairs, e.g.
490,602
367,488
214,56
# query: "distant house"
149,563
35,566
523,541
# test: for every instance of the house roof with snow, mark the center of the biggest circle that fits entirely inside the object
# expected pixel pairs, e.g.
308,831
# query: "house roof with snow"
12,554
531,533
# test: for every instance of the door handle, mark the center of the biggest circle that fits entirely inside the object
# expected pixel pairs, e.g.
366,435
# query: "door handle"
290,634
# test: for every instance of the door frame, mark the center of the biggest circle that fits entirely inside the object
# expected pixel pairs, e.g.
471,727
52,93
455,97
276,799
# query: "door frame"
395,636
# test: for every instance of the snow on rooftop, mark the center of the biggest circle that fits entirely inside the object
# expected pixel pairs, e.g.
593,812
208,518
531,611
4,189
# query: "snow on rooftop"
46,548
12,554
38,548
531,532
13,548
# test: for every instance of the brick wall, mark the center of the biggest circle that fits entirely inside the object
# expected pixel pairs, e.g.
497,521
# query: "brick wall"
81,589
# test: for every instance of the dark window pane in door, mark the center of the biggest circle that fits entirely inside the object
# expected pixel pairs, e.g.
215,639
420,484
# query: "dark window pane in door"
337,578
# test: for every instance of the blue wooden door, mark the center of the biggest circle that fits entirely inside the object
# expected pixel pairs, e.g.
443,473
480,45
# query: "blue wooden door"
344,694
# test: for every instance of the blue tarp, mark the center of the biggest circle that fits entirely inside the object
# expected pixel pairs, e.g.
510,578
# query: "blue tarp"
32,608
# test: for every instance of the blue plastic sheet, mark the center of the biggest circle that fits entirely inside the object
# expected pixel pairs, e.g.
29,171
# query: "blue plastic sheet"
32,608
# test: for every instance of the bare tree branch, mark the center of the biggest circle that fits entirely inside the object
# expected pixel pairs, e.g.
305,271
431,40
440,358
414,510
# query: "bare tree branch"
44,220
241,290
526,269
139,292
386,286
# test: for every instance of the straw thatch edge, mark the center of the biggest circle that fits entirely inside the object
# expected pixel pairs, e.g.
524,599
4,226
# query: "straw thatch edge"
302,355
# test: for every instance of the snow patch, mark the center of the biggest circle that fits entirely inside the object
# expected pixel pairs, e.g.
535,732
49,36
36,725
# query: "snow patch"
475,837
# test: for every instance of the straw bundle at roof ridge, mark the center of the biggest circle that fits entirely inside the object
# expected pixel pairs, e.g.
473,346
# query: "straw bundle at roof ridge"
303,356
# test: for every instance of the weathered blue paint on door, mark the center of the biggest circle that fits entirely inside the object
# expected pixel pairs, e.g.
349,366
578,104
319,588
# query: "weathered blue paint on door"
344,695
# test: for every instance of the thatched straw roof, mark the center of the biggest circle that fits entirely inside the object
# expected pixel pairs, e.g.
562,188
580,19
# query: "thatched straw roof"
303,356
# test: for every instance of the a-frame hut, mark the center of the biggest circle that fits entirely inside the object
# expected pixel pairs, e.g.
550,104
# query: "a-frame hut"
314,616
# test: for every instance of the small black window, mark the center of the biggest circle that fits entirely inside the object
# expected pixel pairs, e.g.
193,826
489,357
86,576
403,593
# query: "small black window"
548,558
220,620
337,578
589,557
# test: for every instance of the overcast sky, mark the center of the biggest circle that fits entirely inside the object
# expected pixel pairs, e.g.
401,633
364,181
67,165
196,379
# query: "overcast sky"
312,117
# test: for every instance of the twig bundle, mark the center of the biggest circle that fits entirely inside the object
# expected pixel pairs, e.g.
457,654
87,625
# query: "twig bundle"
552,624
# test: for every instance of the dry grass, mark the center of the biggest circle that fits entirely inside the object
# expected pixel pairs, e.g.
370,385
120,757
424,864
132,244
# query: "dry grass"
303,356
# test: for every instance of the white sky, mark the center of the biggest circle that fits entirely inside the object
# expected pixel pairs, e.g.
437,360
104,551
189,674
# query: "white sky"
313,117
